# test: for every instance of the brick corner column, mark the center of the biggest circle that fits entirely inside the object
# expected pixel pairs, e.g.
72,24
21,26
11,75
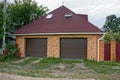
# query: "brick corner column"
113,50
101,50
20,41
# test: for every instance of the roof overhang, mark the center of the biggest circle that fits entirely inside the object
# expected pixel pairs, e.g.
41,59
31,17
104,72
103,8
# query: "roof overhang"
86,33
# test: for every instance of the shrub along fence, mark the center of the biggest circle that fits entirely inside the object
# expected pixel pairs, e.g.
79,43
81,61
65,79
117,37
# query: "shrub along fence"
109,51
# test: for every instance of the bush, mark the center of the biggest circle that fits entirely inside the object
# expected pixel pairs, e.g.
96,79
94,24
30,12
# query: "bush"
112,36
108,36
11,46
10,53
2,58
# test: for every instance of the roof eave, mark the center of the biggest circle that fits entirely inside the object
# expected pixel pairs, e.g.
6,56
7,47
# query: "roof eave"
57,33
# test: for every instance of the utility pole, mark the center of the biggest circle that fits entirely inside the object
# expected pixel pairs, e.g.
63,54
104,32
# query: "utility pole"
4,26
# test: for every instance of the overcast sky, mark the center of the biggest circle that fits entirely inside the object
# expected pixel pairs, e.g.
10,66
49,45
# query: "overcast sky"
97,10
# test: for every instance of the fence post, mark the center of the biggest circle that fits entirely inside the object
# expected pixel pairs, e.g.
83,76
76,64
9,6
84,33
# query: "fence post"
101,50
113,50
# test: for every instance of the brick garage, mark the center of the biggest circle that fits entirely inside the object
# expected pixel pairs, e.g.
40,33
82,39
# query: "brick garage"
53,44
61,23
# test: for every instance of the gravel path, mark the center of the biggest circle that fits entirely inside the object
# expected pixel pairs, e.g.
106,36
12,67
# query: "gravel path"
5,76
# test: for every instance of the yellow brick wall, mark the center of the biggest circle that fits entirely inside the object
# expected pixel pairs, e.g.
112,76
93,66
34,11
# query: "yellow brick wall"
20,41
53,48
53,44
101,50
113,50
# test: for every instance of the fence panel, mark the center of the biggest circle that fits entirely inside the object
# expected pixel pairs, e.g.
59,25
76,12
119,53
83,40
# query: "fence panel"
118,52
107,52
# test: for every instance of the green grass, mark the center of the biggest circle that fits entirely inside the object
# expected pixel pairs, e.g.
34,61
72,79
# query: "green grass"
29,60
63,68
48,62
58,60
35,73
51,60
103,67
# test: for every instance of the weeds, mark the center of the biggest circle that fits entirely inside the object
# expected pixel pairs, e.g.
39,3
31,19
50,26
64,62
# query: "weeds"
61,68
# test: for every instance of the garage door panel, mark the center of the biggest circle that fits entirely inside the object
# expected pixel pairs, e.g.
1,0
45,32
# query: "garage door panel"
73,56
36,47
74,48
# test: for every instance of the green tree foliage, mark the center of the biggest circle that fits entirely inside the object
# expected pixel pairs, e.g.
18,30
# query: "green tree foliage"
112,28
1,22
22,12
111,36
112,23
8,21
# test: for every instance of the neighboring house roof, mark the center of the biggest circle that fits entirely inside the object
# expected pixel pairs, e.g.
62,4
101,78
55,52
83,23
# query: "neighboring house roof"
77,23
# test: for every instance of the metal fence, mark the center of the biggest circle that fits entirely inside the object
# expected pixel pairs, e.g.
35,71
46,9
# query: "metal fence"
107,52
118,52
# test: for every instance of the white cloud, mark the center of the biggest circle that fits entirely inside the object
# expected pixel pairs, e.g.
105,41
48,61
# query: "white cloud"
50,3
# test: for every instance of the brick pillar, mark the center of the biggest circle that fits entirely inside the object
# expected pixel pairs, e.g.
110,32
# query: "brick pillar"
113,50
53,46
20,41
101,50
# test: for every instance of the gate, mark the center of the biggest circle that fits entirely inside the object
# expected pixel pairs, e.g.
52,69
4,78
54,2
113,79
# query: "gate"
107,52
118,52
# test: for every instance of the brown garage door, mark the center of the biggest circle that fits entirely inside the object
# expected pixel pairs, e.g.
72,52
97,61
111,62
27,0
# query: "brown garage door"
36,47
74,48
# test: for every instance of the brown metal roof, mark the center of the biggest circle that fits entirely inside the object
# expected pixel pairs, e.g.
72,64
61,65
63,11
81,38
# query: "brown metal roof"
78,23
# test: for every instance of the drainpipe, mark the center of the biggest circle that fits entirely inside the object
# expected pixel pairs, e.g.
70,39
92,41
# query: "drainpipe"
98,57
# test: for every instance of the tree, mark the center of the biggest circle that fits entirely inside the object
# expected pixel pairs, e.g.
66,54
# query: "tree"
112,28
22,12
112,23
111,36
1,23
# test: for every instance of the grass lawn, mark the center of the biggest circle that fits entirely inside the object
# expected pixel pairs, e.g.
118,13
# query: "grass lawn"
60,68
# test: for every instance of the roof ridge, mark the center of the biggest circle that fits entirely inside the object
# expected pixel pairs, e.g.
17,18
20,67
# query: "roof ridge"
64,7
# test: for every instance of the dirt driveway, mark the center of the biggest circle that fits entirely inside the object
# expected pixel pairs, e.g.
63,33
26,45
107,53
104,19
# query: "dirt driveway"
58,69
5,76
